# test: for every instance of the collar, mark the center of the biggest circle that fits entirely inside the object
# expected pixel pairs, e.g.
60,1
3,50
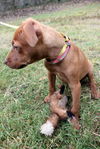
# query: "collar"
64,51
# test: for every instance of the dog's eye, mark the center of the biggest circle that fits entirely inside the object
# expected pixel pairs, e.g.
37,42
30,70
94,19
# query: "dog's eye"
16,47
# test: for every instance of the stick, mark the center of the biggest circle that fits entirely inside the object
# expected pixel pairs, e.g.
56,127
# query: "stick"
8,25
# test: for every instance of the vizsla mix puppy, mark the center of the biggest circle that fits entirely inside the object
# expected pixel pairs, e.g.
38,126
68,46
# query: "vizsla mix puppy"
34,41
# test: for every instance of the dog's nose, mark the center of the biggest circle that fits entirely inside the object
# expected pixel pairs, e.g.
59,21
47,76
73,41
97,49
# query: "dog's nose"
5,62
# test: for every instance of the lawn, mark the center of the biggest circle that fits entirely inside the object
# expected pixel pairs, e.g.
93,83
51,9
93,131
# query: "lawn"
22,110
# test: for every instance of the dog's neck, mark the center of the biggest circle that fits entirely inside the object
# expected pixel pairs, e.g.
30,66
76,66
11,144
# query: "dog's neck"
52,45
55,43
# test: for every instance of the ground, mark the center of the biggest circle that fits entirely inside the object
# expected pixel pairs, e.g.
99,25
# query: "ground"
22,110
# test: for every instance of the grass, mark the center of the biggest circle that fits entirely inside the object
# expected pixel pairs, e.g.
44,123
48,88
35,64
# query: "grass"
22,110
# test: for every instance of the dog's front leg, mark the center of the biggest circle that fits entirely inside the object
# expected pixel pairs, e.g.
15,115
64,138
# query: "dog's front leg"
76,91
52,79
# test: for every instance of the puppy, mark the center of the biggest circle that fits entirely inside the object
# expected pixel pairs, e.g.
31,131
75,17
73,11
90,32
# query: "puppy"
59,112
34,41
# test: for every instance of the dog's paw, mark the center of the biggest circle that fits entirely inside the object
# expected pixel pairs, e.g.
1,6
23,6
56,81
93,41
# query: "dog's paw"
47,129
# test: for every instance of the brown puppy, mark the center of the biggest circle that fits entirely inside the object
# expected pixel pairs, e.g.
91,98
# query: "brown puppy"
34,41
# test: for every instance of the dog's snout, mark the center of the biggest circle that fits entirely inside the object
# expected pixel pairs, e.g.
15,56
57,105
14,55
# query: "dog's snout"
5,62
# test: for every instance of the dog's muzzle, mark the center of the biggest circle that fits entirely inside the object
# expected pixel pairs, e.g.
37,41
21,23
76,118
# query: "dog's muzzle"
22,66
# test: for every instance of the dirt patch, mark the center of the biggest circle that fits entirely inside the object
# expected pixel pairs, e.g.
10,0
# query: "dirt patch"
51,7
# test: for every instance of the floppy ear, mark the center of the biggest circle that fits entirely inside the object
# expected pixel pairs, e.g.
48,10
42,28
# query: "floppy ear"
30,33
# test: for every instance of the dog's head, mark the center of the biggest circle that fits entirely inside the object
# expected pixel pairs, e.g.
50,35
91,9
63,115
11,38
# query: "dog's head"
26,42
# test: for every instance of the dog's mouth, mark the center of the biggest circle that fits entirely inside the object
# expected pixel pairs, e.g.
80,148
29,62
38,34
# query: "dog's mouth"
22,66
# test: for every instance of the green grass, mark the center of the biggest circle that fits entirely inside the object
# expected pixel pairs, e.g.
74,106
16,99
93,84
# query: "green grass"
22,110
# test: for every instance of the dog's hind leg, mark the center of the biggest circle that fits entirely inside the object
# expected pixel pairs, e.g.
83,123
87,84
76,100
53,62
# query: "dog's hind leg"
94,93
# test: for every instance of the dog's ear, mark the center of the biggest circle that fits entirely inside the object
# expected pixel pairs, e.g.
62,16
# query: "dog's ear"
30,33
62,88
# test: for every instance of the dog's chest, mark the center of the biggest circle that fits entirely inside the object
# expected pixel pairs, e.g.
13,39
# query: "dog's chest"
61,73
62,77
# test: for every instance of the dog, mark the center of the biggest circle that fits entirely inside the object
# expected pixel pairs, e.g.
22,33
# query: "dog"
34,41
59,110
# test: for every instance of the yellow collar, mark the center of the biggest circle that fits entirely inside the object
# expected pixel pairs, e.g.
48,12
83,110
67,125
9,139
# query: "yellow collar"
64,51
66,44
